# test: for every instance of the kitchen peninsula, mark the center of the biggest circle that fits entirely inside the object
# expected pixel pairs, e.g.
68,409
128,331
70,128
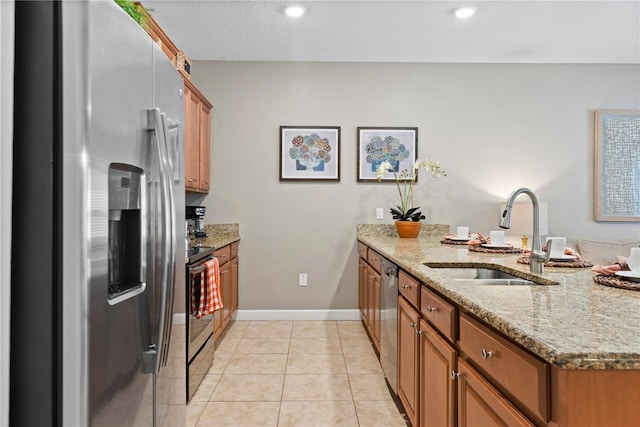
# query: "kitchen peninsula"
578,341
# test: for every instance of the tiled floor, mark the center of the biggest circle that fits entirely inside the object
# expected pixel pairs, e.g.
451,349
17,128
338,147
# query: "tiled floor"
294,373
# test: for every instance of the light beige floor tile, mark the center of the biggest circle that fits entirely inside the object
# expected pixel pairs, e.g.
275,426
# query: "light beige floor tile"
315,345
320,414
178,392
256,388
237,327
369,387
272,329
356,344
194,410
362,363
228,344
206,387
317,363
263,345
351,328
220,361
314,329
316,387
379,414
250,363
175,415
240,414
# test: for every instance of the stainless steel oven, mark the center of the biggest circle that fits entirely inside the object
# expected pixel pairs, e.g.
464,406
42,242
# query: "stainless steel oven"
199,334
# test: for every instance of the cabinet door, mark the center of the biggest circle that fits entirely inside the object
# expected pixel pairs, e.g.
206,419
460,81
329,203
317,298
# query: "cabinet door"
408,358
234,285
191,139
479,404
438,360
377,306
204,148
225,289
362,279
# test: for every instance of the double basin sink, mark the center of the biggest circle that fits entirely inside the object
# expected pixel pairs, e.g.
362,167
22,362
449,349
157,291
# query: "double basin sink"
484,276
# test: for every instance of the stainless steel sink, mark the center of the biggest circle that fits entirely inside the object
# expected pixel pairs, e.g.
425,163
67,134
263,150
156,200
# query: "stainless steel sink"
483,276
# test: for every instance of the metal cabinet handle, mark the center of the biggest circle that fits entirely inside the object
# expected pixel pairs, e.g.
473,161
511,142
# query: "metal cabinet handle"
418,331
405,286
455,375
413,325
486,354
431,309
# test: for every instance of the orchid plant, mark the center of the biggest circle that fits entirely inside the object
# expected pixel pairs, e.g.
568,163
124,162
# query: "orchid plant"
405,181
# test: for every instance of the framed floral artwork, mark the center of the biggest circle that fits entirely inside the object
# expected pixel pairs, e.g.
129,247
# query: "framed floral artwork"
309,153
397,145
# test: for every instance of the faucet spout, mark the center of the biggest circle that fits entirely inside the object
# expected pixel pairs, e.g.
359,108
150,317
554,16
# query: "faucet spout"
538,257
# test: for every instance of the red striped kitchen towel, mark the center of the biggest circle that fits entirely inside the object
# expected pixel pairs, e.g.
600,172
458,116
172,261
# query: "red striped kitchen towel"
209,299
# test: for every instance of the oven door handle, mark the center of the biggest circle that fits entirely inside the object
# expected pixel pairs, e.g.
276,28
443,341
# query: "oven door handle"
197,270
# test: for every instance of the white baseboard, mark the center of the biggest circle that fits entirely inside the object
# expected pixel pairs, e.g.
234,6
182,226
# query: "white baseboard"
179,319
297,315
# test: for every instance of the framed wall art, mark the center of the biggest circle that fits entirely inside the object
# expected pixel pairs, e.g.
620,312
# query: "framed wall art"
309,153
397,145
617,165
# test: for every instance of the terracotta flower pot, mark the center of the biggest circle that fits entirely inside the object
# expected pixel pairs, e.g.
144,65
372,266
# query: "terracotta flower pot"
409,229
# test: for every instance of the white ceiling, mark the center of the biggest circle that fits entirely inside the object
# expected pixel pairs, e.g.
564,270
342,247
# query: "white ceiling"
514,31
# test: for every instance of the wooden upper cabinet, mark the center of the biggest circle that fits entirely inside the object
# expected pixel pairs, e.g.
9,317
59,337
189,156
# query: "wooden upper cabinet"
197,118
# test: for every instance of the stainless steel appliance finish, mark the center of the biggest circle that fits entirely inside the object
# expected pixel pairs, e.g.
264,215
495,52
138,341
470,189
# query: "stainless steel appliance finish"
389,322
116,110
199,336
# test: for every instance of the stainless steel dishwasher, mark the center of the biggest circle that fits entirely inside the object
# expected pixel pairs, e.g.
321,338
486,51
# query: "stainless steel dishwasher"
389,322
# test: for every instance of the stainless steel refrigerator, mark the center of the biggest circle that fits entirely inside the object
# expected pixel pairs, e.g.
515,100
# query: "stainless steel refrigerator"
98,230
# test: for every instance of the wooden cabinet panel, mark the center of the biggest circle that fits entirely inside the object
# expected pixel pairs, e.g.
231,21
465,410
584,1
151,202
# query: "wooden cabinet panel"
518,373
362,250
225,290
197,117
204,162
408,357
234,285
441,314
438,360
362,289
374,259
191,140
223,254
409,288
479,404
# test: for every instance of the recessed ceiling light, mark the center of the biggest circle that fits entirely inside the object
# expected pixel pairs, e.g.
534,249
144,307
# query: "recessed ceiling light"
294,11
465,12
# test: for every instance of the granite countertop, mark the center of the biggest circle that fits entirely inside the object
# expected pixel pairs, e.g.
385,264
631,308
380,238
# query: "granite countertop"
573,322
218,235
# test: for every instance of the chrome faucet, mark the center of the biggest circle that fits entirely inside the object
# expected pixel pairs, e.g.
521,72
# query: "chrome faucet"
538,256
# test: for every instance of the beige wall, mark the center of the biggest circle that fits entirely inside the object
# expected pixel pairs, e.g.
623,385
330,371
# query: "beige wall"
493,127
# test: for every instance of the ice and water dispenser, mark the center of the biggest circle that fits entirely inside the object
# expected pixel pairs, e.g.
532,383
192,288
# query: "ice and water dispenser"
125,273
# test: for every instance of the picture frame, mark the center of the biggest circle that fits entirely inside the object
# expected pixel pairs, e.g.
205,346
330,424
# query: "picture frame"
309,153
398,145
617,166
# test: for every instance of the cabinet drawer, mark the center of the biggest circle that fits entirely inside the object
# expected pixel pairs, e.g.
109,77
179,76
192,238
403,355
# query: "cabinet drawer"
223,254
438,312
515,371
374,259
362,250
409,288
234,249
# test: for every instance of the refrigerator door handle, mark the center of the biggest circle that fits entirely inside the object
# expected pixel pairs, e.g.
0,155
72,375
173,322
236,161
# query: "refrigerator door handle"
157,355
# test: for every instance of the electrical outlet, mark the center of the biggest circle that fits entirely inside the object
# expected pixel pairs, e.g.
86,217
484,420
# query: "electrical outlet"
379,213
302,281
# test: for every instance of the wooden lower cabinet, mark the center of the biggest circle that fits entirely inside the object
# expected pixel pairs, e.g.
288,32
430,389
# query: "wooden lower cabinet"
408,358
438,361
228,260
362,289
234,285
481,405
